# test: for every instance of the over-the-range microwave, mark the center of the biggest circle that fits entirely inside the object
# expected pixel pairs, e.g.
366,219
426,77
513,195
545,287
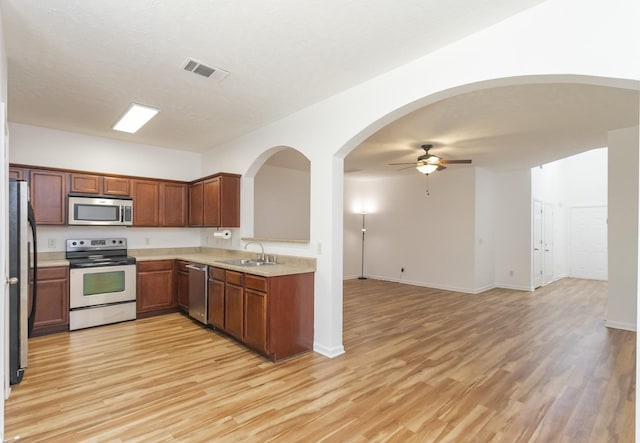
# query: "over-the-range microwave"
99,210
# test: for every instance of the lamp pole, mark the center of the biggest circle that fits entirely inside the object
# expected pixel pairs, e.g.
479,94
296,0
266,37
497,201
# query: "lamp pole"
362,277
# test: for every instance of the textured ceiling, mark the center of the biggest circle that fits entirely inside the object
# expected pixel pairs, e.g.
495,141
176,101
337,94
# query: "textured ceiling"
504,128
76,65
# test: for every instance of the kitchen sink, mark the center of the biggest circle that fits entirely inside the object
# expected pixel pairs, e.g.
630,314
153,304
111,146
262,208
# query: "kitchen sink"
246,262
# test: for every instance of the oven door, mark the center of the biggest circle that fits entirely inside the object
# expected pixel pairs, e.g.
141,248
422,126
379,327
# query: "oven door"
101,285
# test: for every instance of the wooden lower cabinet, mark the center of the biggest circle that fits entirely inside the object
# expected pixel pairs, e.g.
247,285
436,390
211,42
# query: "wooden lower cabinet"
255,324
271,315
182,281
234,304
52,301
155,287
216,305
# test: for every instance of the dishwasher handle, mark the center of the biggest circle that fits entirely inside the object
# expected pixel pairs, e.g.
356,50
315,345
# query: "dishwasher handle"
196,267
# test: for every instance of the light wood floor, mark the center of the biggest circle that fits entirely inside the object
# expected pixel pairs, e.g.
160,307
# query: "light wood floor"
422,365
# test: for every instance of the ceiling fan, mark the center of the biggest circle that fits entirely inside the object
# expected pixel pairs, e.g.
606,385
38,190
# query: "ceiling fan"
428,163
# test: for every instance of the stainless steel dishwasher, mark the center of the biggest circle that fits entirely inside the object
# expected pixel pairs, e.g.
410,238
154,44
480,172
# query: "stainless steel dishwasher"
198,292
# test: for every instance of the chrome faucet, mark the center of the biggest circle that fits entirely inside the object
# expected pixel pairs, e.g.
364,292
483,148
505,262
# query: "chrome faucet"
261,256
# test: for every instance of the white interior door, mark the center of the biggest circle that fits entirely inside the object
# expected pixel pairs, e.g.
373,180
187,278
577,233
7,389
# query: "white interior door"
537,244
588,242
547,258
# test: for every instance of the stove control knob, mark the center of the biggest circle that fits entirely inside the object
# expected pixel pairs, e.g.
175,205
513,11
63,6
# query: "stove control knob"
74,243
82,242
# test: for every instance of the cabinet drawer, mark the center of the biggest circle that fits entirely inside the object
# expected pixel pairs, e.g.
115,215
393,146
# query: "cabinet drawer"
216,273
58,272
234,278
158,265
255,282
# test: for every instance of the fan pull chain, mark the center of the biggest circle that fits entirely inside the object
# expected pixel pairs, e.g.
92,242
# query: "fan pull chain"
428,194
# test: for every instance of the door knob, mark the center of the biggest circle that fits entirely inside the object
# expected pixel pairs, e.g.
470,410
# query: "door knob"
12,280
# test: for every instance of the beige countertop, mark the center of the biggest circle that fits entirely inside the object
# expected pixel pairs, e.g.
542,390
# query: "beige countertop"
286,265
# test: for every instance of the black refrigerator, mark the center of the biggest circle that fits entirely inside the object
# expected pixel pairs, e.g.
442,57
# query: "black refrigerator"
22,255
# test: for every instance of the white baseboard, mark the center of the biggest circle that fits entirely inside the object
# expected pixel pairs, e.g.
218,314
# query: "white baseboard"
328,352
620,325
515,287
350,277
483,289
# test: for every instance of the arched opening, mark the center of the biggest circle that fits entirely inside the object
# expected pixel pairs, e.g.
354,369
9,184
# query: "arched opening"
281,198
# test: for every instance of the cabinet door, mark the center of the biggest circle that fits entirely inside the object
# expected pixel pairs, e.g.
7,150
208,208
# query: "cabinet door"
230,201
48,196
255,320
116,186
211,208
216,303
234,310
155,289
85,183
173,199
52,303
183,286
196,204
146,199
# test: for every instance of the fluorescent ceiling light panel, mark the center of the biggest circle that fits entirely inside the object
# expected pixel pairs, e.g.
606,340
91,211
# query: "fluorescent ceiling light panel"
135,117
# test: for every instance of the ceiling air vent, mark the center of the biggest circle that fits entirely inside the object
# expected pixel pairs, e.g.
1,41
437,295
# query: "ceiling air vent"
206,71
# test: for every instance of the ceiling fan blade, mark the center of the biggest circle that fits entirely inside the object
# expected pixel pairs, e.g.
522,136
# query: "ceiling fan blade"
407,167
400,164
441,168
454,162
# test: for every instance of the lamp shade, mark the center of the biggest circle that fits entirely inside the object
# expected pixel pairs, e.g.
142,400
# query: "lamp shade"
426,168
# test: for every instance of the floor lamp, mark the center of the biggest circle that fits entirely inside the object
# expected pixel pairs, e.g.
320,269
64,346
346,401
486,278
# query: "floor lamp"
362,277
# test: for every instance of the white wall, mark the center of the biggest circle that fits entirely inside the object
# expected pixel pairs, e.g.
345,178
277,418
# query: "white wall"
586,177
513,230
33,145
485,248
430,235
281,203
623,228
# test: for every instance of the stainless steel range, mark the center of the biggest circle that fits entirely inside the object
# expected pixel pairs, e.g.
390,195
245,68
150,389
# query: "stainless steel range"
102,282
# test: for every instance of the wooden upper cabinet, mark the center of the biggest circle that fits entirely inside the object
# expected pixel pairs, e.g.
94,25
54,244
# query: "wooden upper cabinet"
229,201
215,202
18,173
196,204
173,204
85,183
48,196
146,202
116,186
211,206
98,184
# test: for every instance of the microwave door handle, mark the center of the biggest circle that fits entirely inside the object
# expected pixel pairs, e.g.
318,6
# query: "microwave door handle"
121,213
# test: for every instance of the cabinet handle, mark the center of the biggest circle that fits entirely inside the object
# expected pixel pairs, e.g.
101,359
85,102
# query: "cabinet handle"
12,280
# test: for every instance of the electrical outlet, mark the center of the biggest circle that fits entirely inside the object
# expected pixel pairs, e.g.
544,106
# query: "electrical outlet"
52,243
147,241
511,273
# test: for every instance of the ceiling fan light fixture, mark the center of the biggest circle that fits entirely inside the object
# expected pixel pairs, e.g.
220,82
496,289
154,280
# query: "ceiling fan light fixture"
426,168
433,159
